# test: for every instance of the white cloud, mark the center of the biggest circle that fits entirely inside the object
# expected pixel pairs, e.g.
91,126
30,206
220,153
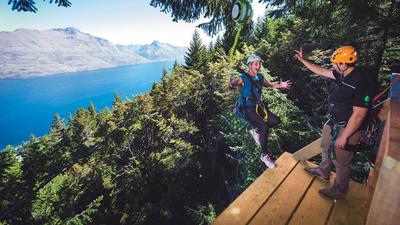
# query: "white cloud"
258,9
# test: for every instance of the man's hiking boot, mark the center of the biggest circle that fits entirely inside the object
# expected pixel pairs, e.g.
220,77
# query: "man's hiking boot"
254,133
267,160
317,173
332,192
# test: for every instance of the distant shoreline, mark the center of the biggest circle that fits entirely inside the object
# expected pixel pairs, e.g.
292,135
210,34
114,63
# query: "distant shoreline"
6,77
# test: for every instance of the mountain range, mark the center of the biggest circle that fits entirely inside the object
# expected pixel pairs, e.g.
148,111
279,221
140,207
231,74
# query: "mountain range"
26,52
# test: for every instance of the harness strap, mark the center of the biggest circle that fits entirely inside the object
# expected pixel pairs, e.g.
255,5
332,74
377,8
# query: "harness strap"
335,127
264,110
260,103
251,86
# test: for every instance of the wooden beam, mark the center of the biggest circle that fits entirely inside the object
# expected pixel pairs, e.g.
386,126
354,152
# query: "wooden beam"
394,132
308,151
382,115
373,176
386,200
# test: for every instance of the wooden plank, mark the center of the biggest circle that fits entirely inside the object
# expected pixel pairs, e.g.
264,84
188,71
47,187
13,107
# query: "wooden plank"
308,151
280,206
394,132
350,210
386,200
313,209
248,203
383,146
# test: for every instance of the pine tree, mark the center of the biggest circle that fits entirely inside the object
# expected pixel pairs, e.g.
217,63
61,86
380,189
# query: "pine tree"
57,123
164,72
92,109
176,64
196,55
260,28
11,185
86,216
117,99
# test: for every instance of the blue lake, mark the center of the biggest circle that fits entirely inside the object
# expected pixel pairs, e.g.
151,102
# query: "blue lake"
27,105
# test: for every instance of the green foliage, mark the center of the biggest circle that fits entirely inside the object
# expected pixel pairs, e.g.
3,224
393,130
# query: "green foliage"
11,180
29,5
92,109
196,55
190,11
203,214
57,124
85,216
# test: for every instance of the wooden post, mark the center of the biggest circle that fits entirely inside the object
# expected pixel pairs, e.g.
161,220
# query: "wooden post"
385,203
373,175
386,200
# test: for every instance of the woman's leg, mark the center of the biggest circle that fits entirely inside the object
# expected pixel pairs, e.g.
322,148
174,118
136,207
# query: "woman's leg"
254,119
273,120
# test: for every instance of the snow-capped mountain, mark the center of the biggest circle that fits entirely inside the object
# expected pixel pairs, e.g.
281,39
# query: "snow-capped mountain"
159,51
26,52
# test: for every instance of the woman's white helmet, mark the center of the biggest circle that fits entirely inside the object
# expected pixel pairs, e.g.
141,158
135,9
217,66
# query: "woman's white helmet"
253,58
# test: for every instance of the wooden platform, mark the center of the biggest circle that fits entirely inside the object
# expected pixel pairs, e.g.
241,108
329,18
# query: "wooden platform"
288,195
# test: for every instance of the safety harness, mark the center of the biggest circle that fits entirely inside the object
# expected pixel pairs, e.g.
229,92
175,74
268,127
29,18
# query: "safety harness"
333,122
248,99
335,128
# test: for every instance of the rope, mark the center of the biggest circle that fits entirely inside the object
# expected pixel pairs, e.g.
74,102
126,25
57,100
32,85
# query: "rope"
232,50
386,89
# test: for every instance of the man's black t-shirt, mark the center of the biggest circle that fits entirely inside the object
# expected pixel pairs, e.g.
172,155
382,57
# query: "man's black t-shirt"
351,90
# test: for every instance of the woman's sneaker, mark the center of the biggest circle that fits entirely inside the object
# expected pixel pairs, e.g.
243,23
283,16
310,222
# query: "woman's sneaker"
267,160
255,135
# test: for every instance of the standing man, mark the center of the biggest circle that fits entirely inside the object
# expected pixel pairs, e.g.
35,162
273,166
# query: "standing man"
348,106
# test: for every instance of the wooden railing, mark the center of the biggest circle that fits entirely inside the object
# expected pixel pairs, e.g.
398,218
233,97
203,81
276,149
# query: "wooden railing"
384,180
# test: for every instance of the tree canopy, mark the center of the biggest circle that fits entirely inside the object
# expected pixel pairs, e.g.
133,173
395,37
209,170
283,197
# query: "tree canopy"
29,5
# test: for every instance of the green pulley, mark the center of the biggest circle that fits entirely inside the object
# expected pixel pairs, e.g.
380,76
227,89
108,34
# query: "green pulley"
241,10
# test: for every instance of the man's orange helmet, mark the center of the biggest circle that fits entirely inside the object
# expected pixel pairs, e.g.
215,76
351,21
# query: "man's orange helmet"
345,54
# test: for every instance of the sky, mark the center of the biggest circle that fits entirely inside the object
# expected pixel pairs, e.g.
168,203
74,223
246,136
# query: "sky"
119,21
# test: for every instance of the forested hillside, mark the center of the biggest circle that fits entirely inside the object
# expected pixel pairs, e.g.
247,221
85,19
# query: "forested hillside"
177,154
